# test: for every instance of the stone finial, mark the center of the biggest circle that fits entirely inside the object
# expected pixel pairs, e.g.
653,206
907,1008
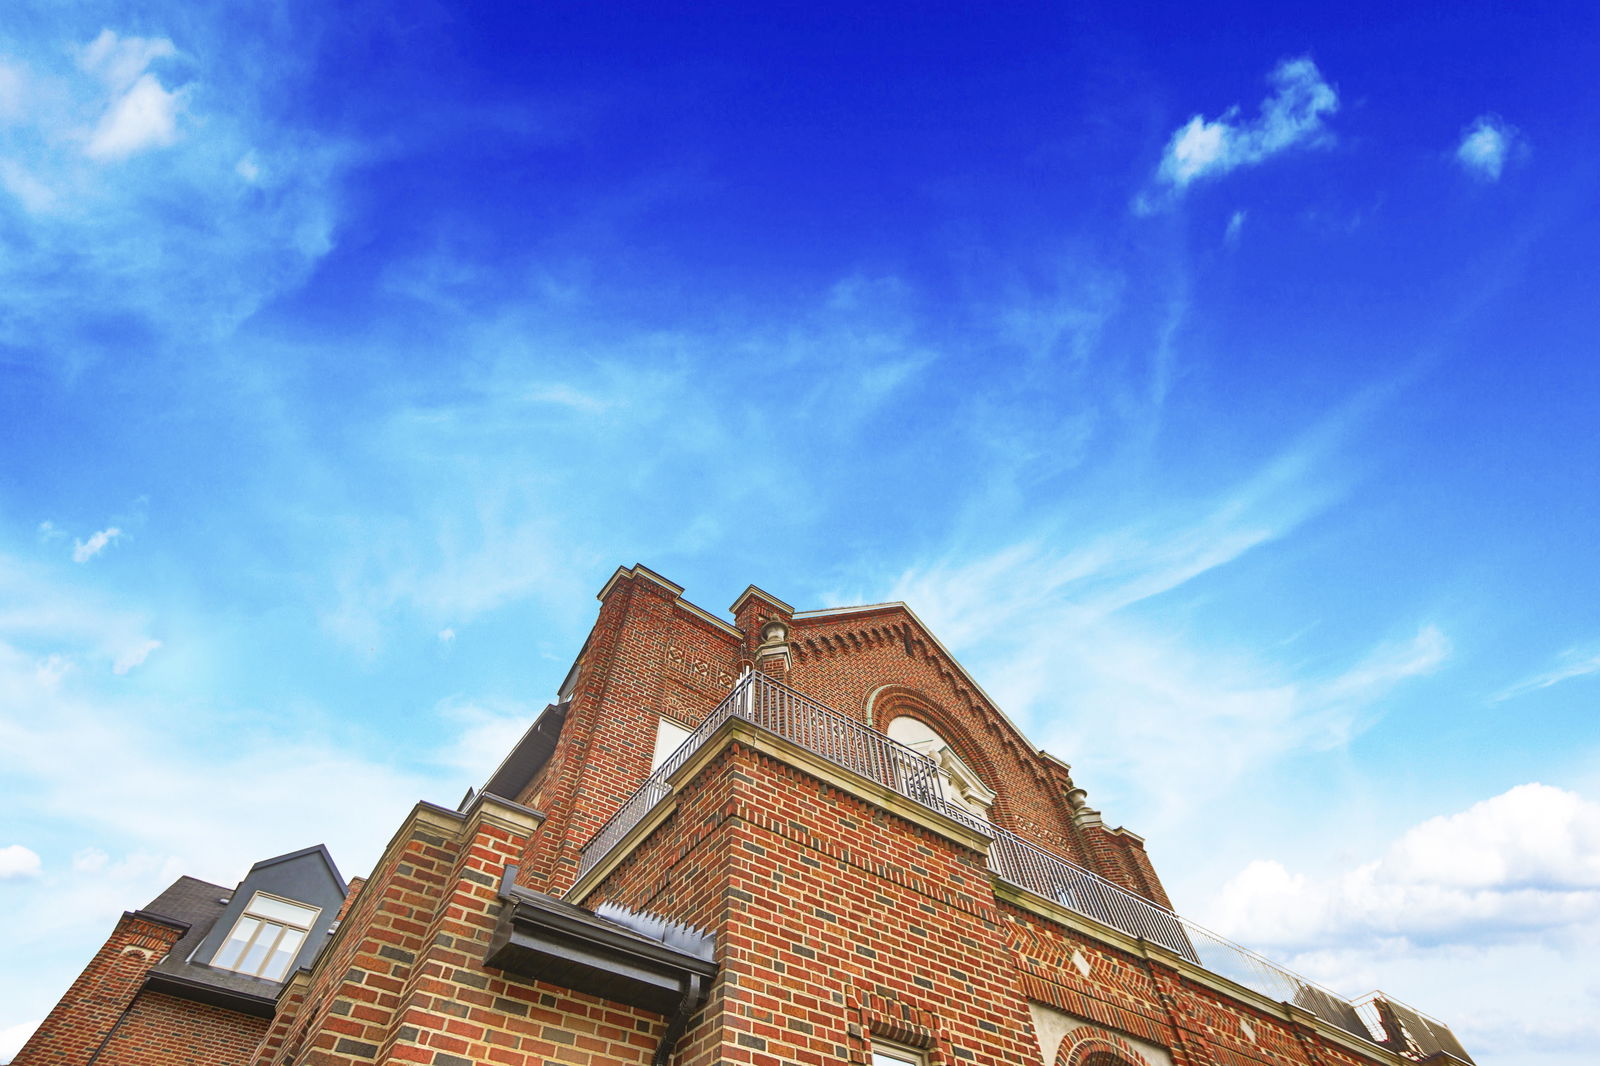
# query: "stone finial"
772,654
1082,813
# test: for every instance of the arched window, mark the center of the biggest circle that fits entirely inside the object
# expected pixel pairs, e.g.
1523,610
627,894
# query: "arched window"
957,782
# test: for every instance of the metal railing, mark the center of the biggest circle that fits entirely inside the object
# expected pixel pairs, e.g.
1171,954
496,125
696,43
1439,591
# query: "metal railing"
863,750
1407,1030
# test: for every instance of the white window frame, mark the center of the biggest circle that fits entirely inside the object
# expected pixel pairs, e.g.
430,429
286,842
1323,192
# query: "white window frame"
670,736
270,926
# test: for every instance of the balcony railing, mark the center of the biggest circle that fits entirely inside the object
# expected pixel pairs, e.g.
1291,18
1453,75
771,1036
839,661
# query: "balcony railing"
860,749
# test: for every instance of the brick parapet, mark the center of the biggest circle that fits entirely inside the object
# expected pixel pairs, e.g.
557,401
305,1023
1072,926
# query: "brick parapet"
353,984
648,656
445,1007
102,994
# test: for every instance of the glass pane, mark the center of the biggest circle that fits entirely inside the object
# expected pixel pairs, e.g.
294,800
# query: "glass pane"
251,963
280,910
896,1058
283,955
228,957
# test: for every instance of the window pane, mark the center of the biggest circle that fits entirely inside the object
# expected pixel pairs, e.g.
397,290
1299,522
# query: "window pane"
896,1055
283,954
228,957
283,911
253,958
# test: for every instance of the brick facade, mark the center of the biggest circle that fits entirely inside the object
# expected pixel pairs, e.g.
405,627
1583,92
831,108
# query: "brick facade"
101,997
840,911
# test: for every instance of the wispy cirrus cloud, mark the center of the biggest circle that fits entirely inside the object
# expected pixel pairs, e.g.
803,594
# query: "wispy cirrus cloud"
122,189
1235,227
1486,145
1064,614
1572,663
84,550
1292,117
69,627
502,454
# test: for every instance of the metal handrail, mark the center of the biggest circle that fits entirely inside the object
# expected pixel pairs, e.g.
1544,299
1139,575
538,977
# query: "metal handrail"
857,747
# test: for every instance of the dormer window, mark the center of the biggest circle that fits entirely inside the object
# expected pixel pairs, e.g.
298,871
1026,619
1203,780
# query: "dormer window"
267,937
957,782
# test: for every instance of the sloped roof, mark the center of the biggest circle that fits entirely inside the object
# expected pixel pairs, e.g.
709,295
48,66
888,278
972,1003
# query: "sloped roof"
530,753
320,850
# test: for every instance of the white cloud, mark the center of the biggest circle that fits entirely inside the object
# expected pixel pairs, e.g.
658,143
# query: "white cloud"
1573,663
120,61
482,733
18,861
12,1037
1525,860
134,656
141,113
13,91
84,550
561,394
1086,633
180,801
1488,918
90,861
1235,227
1292,116
168,247
74,633
146,116
1485,146
447,635
34,195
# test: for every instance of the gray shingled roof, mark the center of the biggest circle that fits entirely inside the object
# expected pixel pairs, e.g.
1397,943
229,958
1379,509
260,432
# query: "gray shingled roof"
199,903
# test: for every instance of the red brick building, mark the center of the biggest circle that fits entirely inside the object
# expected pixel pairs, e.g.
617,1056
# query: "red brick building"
795,838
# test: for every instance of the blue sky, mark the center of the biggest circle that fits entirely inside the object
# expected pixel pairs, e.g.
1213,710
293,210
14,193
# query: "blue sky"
1219,383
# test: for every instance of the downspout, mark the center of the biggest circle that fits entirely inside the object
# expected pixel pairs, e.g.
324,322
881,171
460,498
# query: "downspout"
114,1027
693,990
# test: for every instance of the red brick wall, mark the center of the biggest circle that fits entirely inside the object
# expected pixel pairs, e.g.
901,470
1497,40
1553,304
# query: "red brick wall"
648,656
404,980
85,1016
836,919
163,1030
